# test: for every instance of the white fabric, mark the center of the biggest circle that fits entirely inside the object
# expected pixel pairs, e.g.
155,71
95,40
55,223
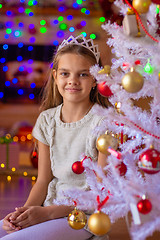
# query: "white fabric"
67,141
57,229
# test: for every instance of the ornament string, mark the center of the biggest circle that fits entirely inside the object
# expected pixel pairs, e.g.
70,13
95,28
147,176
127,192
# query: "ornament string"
139,19
141,129
101,204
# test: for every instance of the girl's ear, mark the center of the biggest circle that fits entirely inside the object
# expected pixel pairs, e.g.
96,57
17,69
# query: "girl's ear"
54,74
94,83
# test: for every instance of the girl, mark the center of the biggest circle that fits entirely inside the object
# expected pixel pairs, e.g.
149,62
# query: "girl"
64,131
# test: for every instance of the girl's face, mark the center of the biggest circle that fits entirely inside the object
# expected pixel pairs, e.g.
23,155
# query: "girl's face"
73,78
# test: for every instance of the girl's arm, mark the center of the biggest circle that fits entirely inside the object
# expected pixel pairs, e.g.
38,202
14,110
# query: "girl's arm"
39,190
32,212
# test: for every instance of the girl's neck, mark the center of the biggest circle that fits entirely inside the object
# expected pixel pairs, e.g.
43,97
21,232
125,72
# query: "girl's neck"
74,113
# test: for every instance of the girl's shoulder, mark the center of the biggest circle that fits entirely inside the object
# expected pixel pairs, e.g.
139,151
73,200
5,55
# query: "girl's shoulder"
49,113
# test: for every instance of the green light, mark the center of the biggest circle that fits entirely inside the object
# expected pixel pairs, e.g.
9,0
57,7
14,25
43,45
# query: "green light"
93,36
43,29
157,9
79,2
42,22
63,26
8,30
27,11
0,5
84,34
83,10
102,19
17,33
148,68
60,18
30,3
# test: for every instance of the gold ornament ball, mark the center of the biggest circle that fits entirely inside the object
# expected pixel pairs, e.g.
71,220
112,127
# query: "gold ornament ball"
132,82
99,223
105,141
77,219
142,6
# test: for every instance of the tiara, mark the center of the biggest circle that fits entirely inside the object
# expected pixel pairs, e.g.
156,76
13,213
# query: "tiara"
84,43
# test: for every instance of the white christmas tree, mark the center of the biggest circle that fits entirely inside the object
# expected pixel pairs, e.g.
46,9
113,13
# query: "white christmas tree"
131,184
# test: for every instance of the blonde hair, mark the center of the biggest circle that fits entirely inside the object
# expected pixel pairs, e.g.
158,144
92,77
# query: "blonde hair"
51,96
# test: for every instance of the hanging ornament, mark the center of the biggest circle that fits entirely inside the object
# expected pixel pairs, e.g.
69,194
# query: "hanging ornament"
104,89
122,168
132,81
77,219
105,141
34,158
77,167
99,223
131,26
105,70
144,206
156,1
142,6
149,161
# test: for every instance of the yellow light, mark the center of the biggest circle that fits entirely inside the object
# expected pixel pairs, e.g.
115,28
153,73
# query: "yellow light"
25,174
33,178
8,136
23,139
13,169
2,165
9,178
15,139
29,136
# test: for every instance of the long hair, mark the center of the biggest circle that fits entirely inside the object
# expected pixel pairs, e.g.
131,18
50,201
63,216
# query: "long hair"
51,96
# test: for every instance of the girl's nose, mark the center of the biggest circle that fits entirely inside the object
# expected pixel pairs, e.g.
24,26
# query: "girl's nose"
73,80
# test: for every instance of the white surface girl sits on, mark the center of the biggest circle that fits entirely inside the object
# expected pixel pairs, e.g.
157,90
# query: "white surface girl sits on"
64,131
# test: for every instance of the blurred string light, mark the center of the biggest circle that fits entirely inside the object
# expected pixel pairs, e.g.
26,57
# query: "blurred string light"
1,94
71,29
6,36
5,46
93,36
60,18
84,34
69,17
19,58
148,68
43,22
17,33
43,29
63,26
31,96
14,80
102,19
0,5
20,45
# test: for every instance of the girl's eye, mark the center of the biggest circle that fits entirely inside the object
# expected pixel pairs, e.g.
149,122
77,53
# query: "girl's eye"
64,74
84,75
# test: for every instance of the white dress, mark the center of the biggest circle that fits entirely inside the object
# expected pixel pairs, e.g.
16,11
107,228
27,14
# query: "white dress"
68,142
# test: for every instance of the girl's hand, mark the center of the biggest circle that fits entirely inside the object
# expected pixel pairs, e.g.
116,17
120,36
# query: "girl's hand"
8,226
28,216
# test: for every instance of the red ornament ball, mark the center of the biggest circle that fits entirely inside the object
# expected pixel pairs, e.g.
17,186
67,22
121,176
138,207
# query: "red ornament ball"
122,168
156,1
104,89
34,159
77,167
144,206
149,161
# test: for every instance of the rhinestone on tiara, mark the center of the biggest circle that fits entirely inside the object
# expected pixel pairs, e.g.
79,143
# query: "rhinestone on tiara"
84,43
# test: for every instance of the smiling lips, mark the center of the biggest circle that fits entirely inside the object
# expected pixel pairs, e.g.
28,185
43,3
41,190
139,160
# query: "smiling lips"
73,90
